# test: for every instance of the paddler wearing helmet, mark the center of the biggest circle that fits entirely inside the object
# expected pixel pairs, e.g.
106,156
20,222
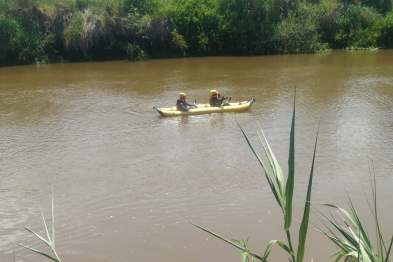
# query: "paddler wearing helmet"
182,104
215,98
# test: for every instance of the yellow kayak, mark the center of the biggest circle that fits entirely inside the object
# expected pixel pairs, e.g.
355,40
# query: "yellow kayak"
206,109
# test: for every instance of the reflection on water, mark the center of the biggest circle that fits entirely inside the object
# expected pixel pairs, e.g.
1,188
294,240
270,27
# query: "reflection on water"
125,179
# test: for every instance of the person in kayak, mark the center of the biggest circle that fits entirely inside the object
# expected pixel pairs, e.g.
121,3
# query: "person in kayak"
182,104
216,100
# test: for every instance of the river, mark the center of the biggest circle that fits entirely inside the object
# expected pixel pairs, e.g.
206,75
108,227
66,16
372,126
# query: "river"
126,180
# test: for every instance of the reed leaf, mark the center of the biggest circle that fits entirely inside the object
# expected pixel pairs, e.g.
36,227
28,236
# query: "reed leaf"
228,241
380,241
343,232
46,229
389,249
277,171
356,242
339,256
365,255
268,249
291,171
340,244
347,215
39,252
241,245
306,214
49,242
358,225
275,188
53,225
32,249
40,237
244,256
282,245
375,214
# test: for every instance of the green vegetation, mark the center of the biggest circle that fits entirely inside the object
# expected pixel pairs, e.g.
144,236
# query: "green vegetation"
355,243
43,31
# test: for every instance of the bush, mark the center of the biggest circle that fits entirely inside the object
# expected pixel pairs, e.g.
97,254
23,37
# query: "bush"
135,52
378,35
178,41
198,23
247,26
12,36
354,20
383,30
298,32
73,33
38,48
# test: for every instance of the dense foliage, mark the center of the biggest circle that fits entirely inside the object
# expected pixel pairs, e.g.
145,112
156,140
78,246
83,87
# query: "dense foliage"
43,31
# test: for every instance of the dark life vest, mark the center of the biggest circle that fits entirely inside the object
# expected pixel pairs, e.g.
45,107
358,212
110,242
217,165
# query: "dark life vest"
180,101
212,99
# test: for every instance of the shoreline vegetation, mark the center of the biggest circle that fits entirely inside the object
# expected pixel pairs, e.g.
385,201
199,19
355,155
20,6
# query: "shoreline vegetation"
60,31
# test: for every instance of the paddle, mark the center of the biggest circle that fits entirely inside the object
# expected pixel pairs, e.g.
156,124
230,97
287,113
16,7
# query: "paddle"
227,103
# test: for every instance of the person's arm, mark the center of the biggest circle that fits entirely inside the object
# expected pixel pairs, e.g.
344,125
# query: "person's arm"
218,101
188,104
183,106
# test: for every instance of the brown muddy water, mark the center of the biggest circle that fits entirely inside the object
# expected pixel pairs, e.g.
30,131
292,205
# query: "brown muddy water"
126,180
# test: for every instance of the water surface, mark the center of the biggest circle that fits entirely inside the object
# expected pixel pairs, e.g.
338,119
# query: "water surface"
126,180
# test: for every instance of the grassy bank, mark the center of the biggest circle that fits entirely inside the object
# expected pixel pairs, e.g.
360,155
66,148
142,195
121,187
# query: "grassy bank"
43,31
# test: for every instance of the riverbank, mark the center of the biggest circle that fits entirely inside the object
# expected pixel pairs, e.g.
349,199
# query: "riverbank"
41,31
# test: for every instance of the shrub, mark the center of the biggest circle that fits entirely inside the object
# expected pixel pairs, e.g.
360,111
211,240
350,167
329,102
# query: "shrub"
12,36
354,20
383,30
198,23
178,41
135,52
298,32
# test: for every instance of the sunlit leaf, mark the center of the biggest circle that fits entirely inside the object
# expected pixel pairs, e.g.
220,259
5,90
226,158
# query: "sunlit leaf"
244,256
40,237
226,240
291,171
275,189
306,214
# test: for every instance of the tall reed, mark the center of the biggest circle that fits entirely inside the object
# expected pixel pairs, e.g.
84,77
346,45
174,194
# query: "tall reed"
283,192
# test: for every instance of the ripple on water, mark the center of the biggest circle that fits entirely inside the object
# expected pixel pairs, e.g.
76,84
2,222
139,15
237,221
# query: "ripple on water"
126,180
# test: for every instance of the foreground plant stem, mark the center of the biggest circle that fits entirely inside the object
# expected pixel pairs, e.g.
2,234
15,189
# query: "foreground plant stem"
290,245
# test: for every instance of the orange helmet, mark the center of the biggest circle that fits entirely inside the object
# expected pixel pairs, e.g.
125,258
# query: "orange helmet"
182,94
